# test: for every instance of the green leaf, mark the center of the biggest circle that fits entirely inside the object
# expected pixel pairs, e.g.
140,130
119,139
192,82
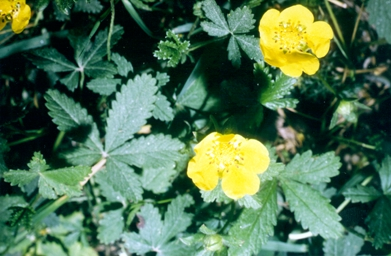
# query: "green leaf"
216,194
254,226
162,110
172,49
312,210
111,226
379,17
379,222
64,5
154,151
241,20
362,194
253,3
349,245
21,216
123,65
90,6
65,181
52,248
7,234
100,69
250,45
78,249
70,228
155,235
385,175
70,116
218,26
308,169
3,148
162,79
249,202
81,156
124,180
133,106
71,81
234,52
157,180
103,86
49,59
107,189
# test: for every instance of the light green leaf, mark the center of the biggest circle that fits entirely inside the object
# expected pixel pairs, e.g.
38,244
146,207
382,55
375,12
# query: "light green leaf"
308,169
124,180
379,222
272,171
77,249
250,45
123,65
70,116
154,151
215,194
81,156
162,110
7,234
312,210
241,20
155,234
107,189
379,16
362,194
157,180
133,106
71,81
234,52
65,181
249,202
162,79
349,245
70,228
111,226
90,6
172,49
254,226
103,86
52,248
253,3
49,59
385,175
212,11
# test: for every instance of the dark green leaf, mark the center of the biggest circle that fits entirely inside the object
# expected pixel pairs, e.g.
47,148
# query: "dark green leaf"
64,5
385,175
100,69
362,194
111,227
312,210
349,245
106,188
162,110
308,169
241,20
254,226
234,52
81,156
379,16
379,222
172,49
71,81
212,11
89,6
49,59
250,45
69,229
129,112
21,216
103,86
157,180
123,65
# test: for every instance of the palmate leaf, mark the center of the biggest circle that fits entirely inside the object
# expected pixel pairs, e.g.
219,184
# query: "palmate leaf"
111,226
123,65
100,69
349,245
49,59
70,116
362,194
69,229
81,156
379,17
90,6
133,106
308,169
154,151
241,20
103,86
107,189
379,222
172,49
155,234
65,181
218,26
157,180
312,210
163,110
64,5
254,226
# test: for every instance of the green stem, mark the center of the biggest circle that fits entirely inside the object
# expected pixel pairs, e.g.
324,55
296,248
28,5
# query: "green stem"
202,44
48,209
347,201
14,143
354,142
335,22
324,82
58,141
112,6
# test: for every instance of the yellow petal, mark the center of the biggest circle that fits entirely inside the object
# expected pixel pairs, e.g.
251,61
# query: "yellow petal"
238,182
204,175
205,144
295,14
255,156
21,20
318,37
300,62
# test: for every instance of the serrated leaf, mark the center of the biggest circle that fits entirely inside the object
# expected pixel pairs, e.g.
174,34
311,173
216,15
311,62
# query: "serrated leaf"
362,194
155,234
103,86
312,210
70,116
133,106
52,248
90,6
253,3
241,20
69,229
154,151
249,202
65,181
172,49
123,65
217,194
64,5
162,110
81,156
124,180
250,45
107,189
308,169
71,81
349,245
212,11
100,69
21,216
385,175
272,171
77,249
49,59
157,180
111,227
162,79
379,222
379,16
254,226
234,52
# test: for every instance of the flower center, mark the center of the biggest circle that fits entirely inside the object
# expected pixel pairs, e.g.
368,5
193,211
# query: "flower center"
9,12
224,155
291,37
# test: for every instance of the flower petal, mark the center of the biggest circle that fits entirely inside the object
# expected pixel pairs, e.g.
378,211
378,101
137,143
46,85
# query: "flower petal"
204,175
318,37
205,144
299,62
255,156
21,20
239,182
295,14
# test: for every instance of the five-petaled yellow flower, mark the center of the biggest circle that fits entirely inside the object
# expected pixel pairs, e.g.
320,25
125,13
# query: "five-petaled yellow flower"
231,158
292,41
15,11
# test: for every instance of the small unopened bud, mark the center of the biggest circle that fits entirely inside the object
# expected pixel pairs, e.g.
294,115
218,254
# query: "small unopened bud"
213,243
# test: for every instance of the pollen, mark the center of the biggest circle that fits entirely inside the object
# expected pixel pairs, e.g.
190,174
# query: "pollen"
290,37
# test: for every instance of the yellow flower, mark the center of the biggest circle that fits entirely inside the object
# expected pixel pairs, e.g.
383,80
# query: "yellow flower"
292,41
15,11
233,159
